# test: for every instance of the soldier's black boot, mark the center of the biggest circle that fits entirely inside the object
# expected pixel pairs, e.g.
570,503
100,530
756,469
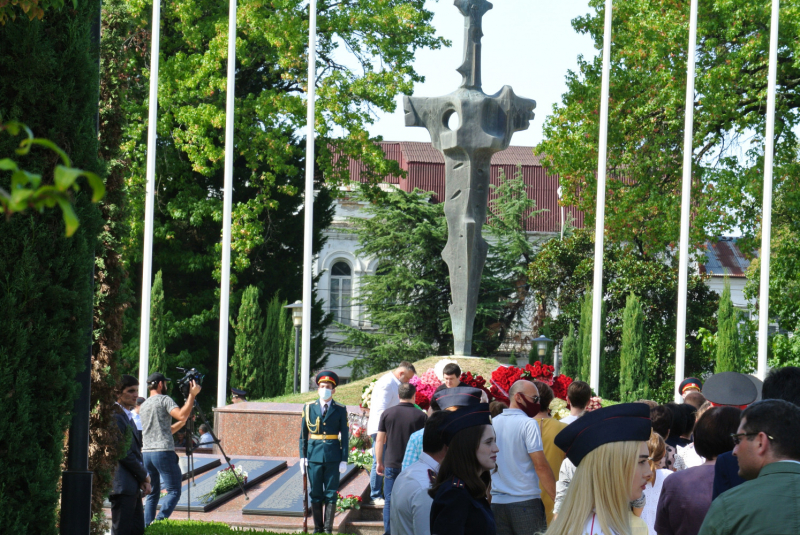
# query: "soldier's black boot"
330,512
316,512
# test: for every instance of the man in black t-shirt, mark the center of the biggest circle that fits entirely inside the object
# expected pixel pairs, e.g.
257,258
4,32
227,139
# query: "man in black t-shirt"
394,429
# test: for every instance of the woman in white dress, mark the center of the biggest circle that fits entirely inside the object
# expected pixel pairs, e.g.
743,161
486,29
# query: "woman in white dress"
658,449
609,448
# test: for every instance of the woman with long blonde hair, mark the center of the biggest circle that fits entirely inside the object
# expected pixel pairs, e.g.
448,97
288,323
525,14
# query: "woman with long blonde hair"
658,450
609,448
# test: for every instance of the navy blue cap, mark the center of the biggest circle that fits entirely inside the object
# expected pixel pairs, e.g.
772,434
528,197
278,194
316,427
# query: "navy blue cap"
730,388
238,392
690,381
327,376
458,396
157,377
617,423
464,417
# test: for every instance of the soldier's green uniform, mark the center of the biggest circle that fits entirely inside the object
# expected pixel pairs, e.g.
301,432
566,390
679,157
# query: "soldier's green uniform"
324,442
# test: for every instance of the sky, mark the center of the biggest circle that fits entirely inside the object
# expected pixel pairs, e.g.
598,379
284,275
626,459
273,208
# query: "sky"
527,44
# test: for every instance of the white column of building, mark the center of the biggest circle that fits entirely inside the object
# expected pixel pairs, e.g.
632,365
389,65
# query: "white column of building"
600,213
225,286
308,233
149,208
766,218
686,194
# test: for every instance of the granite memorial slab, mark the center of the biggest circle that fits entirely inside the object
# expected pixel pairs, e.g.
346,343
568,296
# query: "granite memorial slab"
284,497
201,465
257,471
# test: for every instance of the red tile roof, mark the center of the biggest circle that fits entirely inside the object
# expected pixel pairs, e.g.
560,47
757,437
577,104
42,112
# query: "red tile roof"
425,170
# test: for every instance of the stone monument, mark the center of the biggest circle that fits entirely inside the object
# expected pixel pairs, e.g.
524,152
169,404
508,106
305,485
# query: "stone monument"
486,126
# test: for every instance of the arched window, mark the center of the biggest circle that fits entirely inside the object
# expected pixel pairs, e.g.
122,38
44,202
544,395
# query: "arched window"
341,292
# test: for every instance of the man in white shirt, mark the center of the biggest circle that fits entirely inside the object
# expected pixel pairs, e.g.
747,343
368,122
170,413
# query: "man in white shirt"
384,396
411,503
206,438
578,395
521,464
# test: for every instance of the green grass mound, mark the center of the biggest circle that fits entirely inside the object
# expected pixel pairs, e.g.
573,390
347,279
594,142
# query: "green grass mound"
350,394
196,527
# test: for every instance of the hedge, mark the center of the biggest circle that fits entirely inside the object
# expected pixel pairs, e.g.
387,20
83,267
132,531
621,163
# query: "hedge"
196,527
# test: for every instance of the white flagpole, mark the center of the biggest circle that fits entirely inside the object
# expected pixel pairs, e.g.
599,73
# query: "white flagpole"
686,195
308,201
224,305
766,219
600,214
147,262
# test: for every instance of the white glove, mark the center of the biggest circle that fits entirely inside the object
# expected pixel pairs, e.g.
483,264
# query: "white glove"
342,467
303,466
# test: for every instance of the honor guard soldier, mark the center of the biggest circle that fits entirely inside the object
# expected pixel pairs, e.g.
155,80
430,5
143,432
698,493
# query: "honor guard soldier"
324,450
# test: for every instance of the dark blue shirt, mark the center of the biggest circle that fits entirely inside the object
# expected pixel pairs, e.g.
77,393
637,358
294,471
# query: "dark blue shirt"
456,512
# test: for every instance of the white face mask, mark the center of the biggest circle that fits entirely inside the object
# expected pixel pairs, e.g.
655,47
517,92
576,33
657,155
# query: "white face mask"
325,394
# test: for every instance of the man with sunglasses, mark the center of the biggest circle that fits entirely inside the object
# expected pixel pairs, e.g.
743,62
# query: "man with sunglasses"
521,464
768,450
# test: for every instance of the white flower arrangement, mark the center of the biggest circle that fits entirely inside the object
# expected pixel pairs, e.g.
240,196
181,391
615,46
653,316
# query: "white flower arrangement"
558,409
366,395
439,368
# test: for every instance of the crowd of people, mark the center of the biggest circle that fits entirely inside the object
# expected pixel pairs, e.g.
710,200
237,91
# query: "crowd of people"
725,461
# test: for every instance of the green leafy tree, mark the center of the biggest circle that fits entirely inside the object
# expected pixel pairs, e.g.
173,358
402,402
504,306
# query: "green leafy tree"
569,354
729,354
563,269
365,53
633,353
248,368
409,296
49,82
646,118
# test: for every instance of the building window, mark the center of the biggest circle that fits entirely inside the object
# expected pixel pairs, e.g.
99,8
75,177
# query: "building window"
341,292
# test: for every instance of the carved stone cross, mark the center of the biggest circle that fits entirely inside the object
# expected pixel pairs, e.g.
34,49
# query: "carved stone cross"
486,126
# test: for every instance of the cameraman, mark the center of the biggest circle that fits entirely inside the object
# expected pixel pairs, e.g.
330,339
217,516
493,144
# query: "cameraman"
158,448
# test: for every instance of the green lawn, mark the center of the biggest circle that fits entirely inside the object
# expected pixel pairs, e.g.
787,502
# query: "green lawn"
350,394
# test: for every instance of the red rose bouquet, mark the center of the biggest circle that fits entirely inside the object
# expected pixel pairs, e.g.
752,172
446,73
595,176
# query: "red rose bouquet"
560,385
475,381
502,379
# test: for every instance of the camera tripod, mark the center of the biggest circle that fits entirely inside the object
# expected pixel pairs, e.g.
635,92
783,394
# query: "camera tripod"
197,410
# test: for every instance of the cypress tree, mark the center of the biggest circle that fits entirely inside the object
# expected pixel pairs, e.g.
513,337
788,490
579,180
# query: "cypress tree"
585,337
158,338
49,82
512,359
276,343
729,354
633,354
289,373
569,354
248,349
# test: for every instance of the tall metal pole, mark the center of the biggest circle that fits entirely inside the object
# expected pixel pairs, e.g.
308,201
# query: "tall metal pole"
600,214
308,234
224,304
686,195
296,357
147,262
766,218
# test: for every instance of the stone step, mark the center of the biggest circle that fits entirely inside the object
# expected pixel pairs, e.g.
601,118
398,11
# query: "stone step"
363,527
371,512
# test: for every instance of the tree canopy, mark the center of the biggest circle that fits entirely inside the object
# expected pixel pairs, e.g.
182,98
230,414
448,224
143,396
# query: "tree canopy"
646,119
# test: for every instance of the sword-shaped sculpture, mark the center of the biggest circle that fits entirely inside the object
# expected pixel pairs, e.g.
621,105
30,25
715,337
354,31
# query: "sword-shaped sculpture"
486,126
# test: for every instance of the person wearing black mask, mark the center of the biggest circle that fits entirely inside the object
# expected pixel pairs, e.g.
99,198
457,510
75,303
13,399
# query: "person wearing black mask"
521,465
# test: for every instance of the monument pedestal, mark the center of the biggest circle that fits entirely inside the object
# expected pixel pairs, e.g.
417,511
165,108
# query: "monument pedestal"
262,429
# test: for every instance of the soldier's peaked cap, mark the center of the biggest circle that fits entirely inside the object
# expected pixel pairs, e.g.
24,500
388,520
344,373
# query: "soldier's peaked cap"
730,388
238,392
459,396
327,376
690,382
463,418
618,423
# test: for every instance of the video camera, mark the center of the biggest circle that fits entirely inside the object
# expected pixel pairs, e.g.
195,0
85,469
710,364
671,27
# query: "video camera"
184,383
